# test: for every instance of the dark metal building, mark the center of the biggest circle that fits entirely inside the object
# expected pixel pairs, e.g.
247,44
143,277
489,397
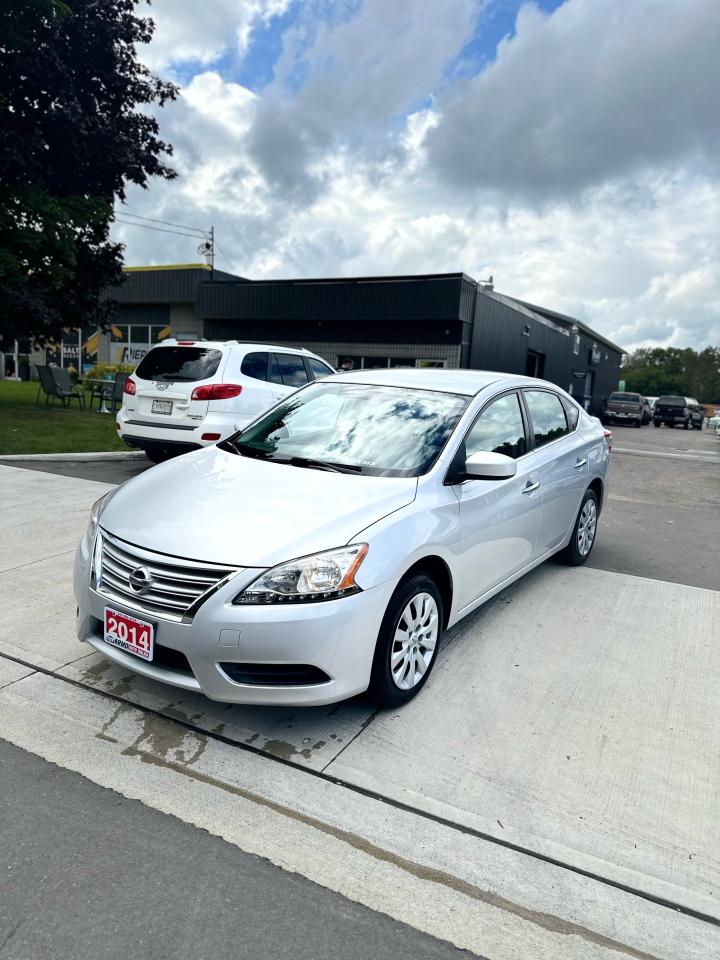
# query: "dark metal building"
428,320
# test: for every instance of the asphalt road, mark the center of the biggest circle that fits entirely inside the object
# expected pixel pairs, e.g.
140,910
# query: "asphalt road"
661,519
86,874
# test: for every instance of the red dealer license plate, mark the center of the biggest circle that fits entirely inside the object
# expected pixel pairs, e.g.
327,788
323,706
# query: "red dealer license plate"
127,633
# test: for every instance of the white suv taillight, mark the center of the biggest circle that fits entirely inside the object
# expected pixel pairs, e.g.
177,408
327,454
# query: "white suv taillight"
129,387
216,391
608,438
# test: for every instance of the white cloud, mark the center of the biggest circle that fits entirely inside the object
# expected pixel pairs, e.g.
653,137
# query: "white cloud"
338,172
597,90
188,31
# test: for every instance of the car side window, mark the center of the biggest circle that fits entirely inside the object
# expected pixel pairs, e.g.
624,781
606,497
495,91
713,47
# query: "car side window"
275,376
499,429
255,365
547,416
319,370
292,369
572,413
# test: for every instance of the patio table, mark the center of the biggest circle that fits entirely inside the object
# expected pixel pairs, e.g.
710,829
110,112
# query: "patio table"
99,382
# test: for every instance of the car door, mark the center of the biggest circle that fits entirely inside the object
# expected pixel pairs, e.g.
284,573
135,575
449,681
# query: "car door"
499,519
560,464
287,373
257,394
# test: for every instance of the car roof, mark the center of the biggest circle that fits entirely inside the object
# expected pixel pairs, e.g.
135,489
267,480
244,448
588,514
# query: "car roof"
250,345
468,382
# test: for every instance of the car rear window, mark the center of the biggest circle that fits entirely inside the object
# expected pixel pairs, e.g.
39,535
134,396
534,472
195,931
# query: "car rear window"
671,401
179,364
634,397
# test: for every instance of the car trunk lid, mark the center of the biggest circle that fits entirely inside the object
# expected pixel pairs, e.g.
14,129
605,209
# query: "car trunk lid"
165,380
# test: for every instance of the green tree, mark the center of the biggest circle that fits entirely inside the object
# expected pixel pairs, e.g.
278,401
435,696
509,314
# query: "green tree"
75,128
653,371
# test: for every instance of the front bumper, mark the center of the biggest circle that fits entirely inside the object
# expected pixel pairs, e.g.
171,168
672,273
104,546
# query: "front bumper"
338,637
669,418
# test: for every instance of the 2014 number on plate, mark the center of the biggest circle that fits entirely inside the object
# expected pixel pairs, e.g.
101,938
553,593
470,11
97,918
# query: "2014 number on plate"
127,633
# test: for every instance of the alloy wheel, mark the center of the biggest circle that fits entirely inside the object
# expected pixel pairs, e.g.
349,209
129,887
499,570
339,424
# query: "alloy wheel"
415,640
587,527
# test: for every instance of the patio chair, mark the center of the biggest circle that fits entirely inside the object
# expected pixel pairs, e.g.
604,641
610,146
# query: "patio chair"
46,385
65,390
113,392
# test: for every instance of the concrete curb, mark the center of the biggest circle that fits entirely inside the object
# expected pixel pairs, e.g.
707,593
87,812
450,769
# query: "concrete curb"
109,455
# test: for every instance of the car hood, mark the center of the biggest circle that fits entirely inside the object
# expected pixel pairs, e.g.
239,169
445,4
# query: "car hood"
217,507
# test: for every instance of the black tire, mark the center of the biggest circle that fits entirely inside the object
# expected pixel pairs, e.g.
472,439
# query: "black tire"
671,425
383,690
157,454
686,425
638,423
656,423
571,554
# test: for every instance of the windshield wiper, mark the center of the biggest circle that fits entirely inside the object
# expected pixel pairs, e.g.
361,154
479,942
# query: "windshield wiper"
245,450
321,464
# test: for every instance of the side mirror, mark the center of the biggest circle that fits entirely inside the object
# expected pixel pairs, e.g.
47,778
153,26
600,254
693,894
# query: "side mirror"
490,466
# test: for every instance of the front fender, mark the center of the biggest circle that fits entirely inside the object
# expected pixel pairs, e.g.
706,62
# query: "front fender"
429,526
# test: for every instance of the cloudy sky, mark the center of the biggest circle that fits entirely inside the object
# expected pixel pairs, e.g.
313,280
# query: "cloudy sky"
571,149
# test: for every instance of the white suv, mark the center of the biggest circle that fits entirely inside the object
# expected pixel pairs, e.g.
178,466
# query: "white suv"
186,394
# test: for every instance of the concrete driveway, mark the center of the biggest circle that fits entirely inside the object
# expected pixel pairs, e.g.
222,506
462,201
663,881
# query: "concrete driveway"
573,718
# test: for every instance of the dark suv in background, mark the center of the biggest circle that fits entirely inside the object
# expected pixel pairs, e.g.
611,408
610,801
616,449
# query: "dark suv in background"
676,411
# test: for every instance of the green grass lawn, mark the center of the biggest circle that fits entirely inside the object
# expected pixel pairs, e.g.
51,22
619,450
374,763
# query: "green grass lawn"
51,429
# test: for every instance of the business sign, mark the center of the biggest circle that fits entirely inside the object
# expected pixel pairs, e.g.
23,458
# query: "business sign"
127,352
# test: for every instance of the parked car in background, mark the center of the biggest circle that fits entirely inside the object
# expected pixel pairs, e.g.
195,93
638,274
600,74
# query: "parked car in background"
624,407
186,394
697,413
714,420
323,549
673,411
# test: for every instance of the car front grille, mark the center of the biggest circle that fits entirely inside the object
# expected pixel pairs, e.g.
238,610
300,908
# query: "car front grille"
175,588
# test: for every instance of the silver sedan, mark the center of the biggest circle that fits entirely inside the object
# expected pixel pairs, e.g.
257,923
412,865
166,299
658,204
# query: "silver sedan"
323,550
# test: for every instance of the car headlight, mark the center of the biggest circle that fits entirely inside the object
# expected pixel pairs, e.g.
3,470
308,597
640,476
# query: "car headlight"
95,511
322,576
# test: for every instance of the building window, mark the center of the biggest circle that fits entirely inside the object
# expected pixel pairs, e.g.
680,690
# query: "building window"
576,344
373,363
130,342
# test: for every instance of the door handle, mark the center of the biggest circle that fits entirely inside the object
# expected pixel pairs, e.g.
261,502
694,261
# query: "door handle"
530,486
580,463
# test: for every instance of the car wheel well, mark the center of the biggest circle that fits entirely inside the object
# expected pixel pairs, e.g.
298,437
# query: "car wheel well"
439,572
596,486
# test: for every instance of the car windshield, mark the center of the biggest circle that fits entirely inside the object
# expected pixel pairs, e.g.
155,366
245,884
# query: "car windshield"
625,396
355,428
179,364
671,401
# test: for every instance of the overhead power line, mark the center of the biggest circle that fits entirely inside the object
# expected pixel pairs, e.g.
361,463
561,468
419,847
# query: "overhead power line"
146,226
168,223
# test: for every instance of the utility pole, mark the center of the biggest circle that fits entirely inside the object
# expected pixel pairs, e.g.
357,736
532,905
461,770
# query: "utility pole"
207,249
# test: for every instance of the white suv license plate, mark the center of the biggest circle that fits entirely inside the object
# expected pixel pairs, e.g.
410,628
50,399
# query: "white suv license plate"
162,406
129,634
